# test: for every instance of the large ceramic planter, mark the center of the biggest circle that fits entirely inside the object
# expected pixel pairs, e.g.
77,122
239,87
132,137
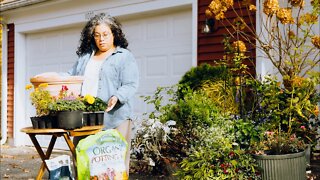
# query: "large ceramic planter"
282,167
55,83
69,119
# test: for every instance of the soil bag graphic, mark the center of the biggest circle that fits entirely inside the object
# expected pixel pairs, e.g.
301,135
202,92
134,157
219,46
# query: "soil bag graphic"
102,156
59,168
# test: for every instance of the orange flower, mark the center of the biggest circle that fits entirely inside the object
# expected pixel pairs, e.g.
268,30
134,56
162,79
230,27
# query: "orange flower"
270,7
297,81
252,7
208,13
285,16
219,7
307,18
239,46
316,41
316,111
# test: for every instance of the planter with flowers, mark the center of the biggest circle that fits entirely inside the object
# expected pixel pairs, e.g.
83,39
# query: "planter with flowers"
68,109
286,118
94,111
287,109
41,100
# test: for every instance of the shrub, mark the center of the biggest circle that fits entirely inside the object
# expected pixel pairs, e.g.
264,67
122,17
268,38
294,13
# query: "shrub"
216,156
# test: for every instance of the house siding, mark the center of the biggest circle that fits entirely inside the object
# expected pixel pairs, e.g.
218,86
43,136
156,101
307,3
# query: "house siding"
10,80
210,47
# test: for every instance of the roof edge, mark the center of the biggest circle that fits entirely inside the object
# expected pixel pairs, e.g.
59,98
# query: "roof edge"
14,4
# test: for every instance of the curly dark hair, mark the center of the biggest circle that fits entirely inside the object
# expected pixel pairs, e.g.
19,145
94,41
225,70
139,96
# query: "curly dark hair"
87,43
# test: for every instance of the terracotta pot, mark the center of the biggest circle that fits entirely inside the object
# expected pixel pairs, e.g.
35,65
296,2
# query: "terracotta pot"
55,83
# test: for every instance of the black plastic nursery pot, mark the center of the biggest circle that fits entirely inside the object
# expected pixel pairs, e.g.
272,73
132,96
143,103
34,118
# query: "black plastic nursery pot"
93,118
100,118
85,118
44,122
69,119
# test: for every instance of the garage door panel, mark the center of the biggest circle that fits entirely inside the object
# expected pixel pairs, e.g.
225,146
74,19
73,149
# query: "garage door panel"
161,62
156,30
180,64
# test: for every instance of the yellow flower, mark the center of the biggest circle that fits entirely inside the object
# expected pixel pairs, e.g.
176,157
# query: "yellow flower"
208,13
316,41
239,46
89,98
29,86
227,3
297,81
316,111
219,7
252,7
43,85
270,7
215,6
297,3
308,18
220,16
285,16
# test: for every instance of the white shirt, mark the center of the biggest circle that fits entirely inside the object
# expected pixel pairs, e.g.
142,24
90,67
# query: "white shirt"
91,77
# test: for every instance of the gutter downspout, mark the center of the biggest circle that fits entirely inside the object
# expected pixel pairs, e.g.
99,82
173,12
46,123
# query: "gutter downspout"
4,87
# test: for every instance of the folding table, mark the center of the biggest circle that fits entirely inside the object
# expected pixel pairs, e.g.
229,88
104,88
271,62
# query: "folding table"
54,133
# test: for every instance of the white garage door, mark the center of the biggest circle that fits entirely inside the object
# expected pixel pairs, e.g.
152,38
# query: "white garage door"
161,45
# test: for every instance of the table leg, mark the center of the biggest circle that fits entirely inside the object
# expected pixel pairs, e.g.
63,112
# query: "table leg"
73,151
41,153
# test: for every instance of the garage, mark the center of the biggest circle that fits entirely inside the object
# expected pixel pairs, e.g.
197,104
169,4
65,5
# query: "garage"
162,45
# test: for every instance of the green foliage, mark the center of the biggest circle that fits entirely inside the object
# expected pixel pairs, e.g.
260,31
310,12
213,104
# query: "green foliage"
197,75
94,104
195,109
215,156
287,113
201,139
246,133
222,94
69,103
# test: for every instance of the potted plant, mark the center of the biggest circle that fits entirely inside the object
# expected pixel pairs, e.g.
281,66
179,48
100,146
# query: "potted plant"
284,117
95,108
68,109
41,100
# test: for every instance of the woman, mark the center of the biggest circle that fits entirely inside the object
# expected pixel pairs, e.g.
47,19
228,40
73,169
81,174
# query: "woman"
110,72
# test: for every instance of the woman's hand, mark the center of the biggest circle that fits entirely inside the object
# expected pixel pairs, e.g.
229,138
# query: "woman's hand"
111,103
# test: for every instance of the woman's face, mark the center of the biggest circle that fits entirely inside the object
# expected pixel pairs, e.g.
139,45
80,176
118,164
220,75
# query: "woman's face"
103,37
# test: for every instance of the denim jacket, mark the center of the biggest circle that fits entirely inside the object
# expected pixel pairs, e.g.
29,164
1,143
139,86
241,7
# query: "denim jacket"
118,77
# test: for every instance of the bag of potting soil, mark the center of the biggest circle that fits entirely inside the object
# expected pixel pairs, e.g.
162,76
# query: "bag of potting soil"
102,156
